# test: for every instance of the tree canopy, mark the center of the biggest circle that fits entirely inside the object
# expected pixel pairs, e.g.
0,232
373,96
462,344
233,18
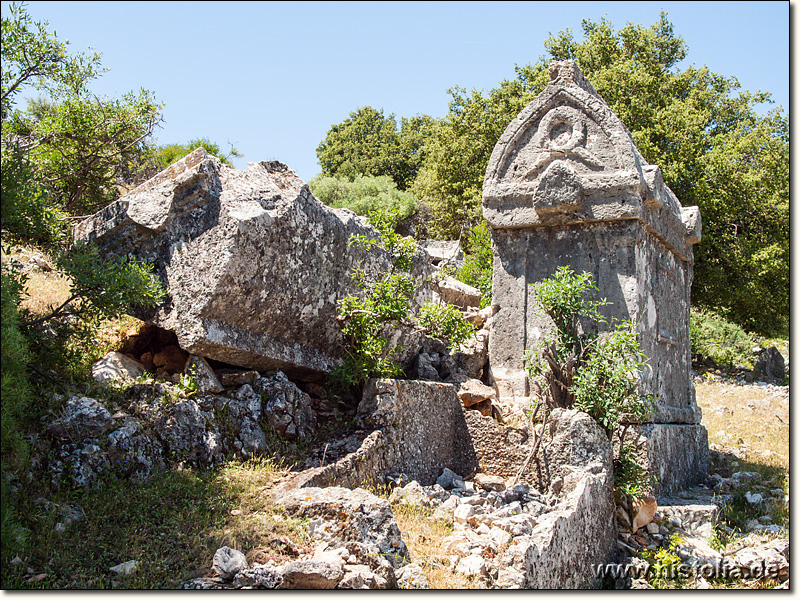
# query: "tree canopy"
369,143
77,143
170,153
715,149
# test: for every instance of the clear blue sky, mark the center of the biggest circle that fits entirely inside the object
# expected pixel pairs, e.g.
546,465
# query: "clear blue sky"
272,77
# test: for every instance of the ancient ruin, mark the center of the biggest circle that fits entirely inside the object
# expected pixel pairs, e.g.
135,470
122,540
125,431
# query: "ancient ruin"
252,262
254,266
565,185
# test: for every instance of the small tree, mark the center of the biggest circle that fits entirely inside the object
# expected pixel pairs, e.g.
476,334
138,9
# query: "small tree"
595,373
384,303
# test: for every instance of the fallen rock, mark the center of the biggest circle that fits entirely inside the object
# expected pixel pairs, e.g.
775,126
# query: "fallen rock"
457,293
287,408
124,569
411,577
81,418
472,392
643,512
228,562
255,264
263,577
337,515
770,364
190,434
310,575
472,566
204,376
442,252
490,482
116,367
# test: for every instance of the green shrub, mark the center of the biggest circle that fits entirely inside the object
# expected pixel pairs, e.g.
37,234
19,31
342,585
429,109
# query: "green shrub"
169,153
16,389
598,374
28,212
725,342
446,323
364,195
478,262
385,303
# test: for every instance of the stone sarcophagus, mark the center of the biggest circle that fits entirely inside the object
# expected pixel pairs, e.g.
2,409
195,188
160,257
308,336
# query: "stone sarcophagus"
566,185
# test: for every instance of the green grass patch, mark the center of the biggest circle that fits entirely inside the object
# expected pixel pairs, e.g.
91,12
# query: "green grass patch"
171,525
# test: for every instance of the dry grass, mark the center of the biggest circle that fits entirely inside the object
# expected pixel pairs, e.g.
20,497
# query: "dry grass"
749,418
425,536
45,290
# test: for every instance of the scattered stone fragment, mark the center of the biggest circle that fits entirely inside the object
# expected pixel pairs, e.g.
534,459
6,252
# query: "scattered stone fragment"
310,575
457,292
472,566
228,562
115,366
643,512
125,569
448,479
411,577
204,376
490,482
288,409
81,418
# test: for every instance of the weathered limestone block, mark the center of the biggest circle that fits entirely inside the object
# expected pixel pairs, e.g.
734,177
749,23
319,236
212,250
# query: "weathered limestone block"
566,185
81,418
418,429
115,366
458,293
677,454
567,543
252,262
443,252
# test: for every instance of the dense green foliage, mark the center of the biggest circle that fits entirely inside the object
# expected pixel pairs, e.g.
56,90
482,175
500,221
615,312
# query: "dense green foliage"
368,143
169,153
595,373
714,148
16,389
364,194
60,156
725,342
478,262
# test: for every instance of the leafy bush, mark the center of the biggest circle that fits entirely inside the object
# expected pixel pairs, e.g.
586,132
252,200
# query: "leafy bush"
446,323
597,374
386,303
665,563
16,389
478,262
630,477
27,211
364,194
170,153
725,342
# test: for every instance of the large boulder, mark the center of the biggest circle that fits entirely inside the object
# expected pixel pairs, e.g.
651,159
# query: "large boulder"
252,262
770,364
